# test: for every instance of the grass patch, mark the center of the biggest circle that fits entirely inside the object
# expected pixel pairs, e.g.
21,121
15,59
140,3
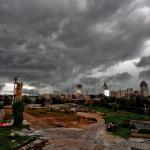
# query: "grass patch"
7,142
101,109
121,118
122,121
7,146
123,132
7,118
125,116
144,131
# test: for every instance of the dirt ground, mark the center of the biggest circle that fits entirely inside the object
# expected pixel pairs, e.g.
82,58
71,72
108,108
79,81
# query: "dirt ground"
91,137
54,119
8,111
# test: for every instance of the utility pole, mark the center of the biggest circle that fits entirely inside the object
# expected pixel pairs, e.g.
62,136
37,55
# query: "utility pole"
14,91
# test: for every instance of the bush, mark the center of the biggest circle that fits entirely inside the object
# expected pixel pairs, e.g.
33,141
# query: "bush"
123,132
1,105
7,100
114,106
144,131
18,113
26,99
57,100
125,124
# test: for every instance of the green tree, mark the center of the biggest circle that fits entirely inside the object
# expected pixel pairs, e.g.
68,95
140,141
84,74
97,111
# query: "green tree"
18,113
26,99
7,100
1,105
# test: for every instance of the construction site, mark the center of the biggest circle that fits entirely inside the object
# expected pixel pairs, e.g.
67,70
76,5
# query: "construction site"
68,126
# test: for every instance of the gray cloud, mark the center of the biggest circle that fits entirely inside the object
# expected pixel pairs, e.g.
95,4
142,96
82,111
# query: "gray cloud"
89,80
30,92
144,62
120,77
145,75
53,42
1,86
119,80
113,81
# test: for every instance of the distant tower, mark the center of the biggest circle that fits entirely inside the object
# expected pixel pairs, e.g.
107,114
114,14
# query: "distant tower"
106,90
18,86
144,89
79,89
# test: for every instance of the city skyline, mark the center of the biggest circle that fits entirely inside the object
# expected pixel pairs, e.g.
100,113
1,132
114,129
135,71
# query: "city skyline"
75,74
52,45
106,89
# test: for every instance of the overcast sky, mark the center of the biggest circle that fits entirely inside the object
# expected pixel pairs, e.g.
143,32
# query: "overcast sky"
54,44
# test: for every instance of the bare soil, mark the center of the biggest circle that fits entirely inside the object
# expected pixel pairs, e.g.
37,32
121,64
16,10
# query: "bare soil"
54,119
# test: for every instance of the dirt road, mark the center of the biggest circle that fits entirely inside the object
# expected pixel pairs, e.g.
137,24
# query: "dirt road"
91,137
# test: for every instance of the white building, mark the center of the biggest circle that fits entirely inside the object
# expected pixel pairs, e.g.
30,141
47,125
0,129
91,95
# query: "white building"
106,90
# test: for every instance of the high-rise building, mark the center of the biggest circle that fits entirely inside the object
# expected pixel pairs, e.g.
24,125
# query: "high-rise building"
79,89
118,94
137,93
106,90
114,94
144,89
122,93
129,92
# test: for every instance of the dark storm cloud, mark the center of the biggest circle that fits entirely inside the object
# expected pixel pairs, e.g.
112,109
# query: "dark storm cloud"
89,81
95,84
144,62
52,42
120,77
118,81
145,75
30,91
2,86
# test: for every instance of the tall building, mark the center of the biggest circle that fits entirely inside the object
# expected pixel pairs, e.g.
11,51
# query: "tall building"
106,90
122,93
129,92
144,89
18,94
137,93
114,94
118,94
79,89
